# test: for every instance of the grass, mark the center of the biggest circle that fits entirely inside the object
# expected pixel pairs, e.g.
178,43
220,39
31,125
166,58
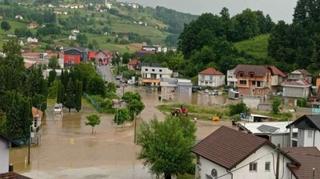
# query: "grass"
257,46
199,112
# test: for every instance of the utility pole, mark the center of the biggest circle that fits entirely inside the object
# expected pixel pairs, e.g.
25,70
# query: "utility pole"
278,161
29,145
135,129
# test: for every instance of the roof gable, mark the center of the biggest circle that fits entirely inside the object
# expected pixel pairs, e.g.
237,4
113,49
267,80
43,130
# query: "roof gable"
223,147
307,122
211,71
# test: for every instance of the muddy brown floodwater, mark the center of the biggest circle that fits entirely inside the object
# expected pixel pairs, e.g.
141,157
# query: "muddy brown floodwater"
68,150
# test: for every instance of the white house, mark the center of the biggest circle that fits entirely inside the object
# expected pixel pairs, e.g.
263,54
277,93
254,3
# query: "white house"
72,37
151,74
19,17
211,77
231,78
276,132
308,131
4,154
32,40
231,154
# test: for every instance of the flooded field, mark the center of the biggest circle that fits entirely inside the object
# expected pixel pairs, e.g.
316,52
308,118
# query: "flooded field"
68,150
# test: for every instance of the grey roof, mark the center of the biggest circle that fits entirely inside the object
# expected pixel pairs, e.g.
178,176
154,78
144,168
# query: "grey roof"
307,121
267,129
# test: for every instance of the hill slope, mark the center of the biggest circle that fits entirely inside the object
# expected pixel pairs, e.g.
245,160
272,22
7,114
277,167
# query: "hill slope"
257,46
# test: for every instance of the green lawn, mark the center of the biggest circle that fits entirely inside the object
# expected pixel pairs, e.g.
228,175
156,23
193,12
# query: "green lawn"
257,47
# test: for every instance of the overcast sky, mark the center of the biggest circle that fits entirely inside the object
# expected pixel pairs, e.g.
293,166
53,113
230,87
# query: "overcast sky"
277,9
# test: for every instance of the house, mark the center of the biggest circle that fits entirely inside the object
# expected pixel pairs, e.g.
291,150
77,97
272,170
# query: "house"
231,154
297,85
72,37
134,64
309,159
103,57
4,154
231,79
258,80
211,77
149,48
175,87
19,17
308,131
152,73
74,56
276,132
32,40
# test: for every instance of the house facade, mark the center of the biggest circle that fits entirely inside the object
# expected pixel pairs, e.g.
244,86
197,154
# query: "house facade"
103,57
297,85
211,77
231,79
308,131
4,154
230,154
151,74
134,64
258,80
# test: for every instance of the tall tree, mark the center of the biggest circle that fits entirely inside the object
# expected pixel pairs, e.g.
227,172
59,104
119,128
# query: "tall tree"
60,93
70,95
78,95
5,26
166,146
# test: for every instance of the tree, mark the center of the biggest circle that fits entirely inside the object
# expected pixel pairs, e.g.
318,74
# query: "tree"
82,39
93,121
236,109
70,95
60,93
78,95
275,105
53,63
5,26
121,116
135,107
166,146
52,77
130,96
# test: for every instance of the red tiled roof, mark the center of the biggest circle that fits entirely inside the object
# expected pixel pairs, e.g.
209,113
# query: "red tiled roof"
12,175
134,62
228,147
302,83
211,71
309,158
276,71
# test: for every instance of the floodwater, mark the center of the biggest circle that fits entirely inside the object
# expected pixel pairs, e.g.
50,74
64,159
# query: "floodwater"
68,150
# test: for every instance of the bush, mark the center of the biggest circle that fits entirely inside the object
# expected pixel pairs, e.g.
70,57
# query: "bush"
238,108
302,102
121,116
275,105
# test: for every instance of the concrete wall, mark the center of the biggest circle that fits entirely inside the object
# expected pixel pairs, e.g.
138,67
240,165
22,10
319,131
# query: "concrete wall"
4,156
206,166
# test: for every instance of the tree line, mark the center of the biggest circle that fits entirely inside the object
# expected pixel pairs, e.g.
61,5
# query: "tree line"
20,89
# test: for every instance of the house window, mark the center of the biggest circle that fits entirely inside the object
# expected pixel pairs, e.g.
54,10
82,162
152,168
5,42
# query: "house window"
251,75
310,133
241,74
153,70
267,166
160,70
243,82
294,143
146,69
253,83
253,167
259,84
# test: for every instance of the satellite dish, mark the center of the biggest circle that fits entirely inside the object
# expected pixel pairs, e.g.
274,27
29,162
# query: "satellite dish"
214,173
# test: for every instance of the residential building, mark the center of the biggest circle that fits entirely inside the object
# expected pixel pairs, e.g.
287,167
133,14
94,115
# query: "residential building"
32,40
231,79
258,80
4,154
134,64
300,74
152,73
103,57
211,77
73,56
276,132
175,87
231,154
308,131
309,159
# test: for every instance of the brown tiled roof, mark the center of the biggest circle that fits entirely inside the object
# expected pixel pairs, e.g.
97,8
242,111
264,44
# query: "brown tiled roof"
309,158
276,71
12,175
228,147
258,70
211,71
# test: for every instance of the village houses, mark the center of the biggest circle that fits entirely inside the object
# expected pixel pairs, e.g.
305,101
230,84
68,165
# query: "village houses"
152,73
211,77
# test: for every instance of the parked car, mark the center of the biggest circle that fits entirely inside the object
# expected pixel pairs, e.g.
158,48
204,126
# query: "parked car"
58,108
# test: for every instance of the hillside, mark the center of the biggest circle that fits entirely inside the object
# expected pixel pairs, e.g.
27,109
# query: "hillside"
112,25
257,46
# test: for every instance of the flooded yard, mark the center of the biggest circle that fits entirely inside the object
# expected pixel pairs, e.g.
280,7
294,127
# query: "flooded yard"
68,149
